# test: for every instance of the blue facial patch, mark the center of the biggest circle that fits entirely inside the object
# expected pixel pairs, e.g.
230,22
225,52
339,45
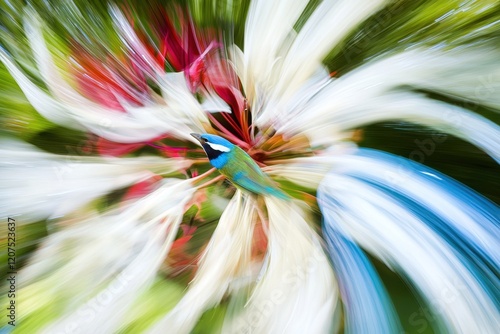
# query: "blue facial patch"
220,161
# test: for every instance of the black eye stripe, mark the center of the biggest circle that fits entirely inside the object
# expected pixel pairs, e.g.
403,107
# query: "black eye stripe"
211,153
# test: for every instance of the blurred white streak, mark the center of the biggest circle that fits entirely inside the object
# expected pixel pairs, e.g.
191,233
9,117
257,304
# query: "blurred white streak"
268,30
297,291
214,103
183,106
468,73
278,61
444,117
325,117
327,26
36,185
41,101
128,36
308,172
71,109
226,258
101,265
460,209
369,94
397,235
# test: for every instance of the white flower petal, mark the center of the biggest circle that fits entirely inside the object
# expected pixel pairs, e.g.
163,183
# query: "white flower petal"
277,62
37,185
297,292
128,35
278,108
326,27
214,103
97,267
467,73
368,95
226,258
103,121
444,117
47,106
183,106
308,172
325,119
181,115
267,26
238,62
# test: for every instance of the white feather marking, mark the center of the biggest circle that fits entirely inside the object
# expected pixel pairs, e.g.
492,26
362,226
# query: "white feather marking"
218,147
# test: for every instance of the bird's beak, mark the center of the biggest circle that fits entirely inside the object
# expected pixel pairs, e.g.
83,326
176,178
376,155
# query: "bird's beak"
197,136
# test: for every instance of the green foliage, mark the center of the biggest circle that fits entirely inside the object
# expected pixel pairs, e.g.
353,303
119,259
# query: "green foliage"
154,303
211,321
27,238
406,24
17,116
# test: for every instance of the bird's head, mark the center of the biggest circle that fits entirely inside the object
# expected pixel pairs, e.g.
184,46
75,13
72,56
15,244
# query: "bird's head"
216,148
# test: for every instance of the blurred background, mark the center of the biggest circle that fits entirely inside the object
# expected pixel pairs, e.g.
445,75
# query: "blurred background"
83,28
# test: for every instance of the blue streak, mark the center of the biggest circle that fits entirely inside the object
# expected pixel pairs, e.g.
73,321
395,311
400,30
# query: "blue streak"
359,283
367,304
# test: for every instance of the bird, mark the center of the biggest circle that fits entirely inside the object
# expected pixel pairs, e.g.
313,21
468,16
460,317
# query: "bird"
237,166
